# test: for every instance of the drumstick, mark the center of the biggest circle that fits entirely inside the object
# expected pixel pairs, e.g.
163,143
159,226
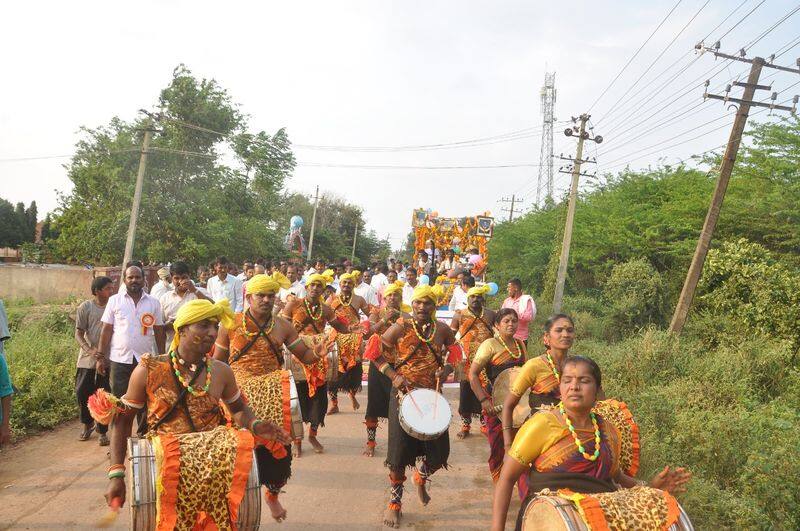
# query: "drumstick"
436,399
112,513
409,395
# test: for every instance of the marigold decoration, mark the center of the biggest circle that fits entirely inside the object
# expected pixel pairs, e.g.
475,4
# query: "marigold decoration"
103,406
147,320
578,443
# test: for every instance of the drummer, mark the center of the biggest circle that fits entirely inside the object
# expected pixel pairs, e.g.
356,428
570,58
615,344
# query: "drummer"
425,349
473,325
495,355
183,398
309,317
379,387
253,350
571,447
348,308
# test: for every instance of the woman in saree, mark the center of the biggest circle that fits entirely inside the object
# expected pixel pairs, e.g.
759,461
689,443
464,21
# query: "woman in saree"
495,355
574,453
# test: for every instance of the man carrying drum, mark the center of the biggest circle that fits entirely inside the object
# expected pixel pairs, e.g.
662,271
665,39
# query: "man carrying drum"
425,349
309,317
348,307
379,387
203,465
253,349
473,325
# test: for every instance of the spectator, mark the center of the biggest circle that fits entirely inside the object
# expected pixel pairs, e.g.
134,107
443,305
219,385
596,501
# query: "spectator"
6,394
401,273
163,285
224,285
459,299
297,288
364,290
88,325
411,283
203,274
523,305
448,263
424,263
243,276
380,280
183,292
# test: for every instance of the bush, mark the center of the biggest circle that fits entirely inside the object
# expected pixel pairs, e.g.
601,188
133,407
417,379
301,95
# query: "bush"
635,296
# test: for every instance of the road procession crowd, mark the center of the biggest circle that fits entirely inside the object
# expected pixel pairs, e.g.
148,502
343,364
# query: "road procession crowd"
224,367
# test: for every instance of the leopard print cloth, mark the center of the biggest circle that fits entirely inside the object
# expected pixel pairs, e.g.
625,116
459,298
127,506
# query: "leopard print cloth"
618,414
639,508
268,397
206,466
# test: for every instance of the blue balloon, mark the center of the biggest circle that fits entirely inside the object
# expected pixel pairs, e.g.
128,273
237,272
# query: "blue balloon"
424,280
493,288
296,222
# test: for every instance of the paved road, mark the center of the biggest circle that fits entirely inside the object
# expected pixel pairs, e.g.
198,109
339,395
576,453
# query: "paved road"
54,481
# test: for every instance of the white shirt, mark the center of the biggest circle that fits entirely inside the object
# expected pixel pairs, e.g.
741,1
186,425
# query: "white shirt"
379,282
408,292
242,276
368,293
230,288
401,276
171,302
160,288
297,289
128,343
459,299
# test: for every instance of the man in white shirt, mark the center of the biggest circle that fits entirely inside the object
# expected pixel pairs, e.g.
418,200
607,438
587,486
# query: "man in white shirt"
411,283
365,291
223,285
297,289
459,299
401,273
380,280
184,291
319,267
133,325
163,285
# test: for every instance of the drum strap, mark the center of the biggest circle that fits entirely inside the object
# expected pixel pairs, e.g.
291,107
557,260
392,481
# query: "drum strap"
249,345
180,400
472,324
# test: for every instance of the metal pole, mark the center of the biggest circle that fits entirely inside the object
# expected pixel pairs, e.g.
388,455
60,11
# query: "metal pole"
573,198
313,224
137,197
353,253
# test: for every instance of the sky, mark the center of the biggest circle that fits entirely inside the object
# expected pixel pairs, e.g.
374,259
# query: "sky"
391,74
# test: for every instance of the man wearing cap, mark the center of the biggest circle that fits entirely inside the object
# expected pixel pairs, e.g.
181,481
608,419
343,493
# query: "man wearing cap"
163,285
473,326
425,350
310,316
253,349
348,308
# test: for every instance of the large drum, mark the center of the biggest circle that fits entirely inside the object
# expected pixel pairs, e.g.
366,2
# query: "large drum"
424,414
332,373
141,480
294,408
551,513
500,391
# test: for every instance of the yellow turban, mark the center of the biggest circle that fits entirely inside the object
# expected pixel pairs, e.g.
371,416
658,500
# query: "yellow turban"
199,310
349,276
424,291
478,290
324,278
267,283
394,287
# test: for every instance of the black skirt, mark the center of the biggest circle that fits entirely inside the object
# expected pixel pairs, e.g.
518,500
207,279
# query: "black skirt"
468,403
273,472
313,408
349,380
404,450
379,387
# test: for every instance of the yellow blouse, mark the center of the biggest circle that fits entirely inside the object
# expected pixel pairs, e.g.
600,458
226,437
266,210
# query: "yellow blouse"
536,436
534,370
493,352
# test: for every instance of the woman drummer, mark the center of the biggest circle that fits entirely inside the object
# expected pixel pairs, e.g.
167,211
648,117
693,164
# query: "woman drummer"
571,447
495,355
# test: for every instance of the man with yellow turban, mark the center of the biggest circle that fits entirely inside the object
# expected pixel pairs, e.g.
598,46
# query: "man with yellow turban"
310,316
183,391
348,308
379,387
253,349
473,326
425,349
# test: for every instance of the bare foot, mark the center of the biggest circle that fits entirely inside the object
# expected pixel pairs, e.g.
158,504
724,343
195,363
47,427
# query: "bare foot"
297,449
463,434
422,492
356,405
315,443
276,509
369,451
333,409
391,518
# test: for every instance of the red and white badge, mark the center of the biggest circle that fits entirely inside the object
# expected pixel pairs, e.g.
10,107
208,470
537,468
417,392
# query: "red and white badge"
148,320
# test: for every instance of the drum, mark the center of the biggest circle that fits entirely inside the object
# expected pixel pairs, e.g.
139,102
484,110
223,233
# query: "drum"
294,407
332,373
424,414
501,389
141,495
552,513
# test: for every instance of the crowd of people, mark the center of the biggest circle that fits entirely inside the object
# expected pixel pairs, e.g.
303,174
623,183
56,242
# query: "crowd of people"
207,367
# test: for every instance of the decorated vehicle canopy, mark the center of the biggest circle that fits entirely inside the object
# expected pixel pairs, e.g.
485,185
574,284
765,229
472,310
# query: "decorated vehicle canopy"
458,234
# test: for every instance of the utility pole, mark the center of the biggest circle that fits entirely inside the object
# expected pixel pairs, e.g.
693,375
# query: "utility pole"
514,199
313,223
726,167
573,198
353,252
137,195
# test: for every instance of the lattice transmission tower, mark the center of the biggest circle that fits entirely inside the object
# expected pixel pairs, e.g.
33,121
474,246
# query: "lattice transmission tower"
544,184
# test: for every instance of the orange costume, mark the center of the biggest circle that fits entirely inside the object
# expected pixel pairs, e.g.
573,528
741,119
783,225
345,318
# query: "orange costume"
311,385
349,347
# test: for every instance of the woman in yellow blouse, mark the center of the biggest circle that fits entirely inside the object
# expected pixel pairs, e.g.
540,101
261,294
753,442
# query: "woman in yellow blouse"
575,453
495,355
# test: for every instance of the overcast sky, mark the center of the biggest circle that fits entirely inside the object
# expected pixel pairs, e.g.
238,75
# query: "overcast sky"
380,73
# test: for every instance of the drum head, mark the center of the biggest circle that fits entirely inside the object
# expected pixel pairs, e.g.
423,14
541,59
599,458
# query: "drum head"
502,388
550,513
428,414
